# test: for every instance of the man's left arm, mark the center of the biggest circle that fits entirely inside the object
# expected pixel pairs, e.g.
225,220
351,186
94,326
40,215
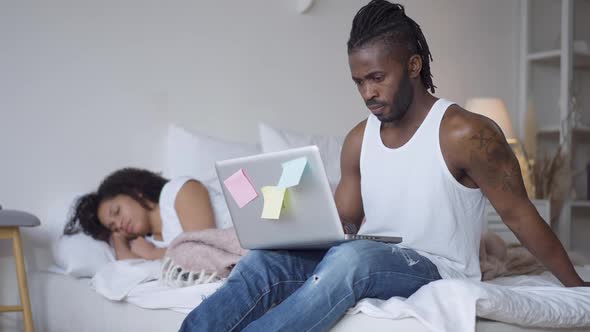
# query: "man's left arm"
491,164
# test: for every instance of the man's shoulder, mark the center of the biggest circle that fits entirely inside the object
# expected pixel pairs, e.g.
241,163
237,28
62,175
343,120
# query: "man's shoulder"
458,124
354,138
351,149
358,130
460,130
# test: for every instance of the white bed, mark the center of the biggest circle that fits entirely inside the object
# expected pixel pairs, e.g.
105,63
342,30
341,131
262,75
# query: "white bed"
64,304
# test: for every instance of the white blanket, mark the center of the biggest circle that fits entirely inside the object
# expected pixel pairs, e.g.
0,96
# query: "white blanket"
136,281
452,305
444,305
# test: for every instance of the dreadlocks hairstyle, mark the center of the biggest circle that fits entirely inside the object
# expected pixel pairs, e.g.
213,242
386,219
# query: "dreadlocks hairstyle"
141,185
381,20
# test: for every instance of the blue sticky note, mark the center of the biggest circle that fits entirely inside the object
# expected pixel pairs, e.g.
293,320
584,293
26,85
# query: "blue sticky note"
292,172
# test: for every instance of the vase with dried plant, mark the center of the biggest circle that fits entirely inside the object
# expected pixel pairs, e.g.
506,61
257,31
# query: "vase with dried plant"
552,179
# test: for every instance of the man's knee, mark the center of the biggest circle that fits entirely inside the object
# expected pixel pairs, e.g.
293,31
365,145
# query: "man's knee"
360,255
352,250
349,254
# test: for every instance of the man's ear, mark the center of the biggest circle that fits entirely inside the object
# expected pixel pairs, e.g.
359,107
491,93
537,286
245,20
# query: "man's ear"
414,66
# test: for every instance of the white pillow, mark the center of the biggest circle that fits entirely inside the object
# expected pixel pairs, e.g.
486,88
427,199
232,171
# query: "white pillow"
80,255
273,139
194,155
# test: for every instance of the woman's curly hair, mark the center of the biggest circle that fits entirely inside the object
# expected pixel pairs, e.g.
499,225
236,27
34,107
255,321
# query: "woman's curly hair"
142,185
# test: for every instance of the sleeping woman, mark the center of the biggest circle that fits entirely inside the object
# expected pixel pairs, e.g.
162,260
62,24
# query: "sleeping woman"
139,212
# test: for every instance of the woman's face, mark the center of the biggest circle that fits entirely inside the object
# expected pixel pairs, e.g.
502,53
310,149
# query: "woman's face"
124,215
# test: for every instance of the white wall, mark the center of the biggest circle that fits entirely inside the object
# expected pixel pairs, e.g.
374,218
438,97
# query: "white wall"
89,86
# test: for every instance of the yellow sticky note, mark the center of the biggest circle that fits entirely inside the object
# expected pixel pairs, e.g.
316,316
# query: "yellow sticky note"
273,202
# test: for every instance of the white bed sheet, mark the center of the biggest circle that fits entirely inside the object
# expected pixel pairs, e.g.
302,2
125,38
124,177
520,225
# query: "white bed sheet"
62,303
452,305
534,301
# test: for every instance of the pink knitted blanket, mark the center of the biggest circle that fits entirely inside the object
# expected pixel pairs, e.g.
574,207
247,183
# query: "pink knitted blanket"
200,257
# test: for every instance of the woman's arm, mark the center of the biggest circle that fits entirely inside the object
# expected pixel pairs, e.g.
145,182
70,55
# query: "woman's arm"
193,207
136,248
145,249
122,248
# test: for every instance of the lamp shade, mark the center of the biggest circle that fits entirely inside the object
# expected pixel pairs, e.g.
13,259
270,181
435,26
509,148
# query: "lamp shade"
495,109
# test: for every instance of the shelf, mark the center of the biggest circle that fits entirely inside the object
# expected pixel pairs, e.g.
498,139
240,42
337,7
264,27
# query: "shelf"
552,55
553,132
553,58
580,204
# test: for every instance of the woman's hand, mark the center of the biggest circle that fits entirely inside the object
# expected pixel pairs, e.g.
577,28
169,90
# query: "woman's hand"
121,245
145,249
118,237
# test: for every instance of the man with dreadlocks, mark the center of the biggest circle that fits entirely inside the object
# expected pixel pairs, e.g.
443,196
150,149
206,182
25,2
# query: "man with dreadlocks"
419,167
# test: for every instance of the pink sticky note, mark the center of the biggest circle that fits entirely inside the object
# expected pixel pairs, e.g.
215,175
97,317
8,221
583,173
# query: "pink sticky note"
240,188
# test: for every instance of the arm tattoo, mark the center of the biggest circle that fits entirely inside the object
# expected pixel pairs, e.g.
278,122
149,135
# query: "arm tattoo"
492,157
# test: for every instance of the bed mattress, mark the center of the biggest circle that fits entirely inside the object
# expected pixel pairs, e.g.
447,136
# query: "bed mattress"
61,304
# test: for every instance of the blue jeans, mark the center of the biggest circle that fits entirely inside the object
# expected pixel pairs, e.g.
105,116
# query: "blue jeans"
308,290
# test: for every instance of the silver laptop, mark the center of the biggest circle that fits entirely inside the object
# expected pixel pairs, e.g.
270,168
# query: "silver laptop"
308,219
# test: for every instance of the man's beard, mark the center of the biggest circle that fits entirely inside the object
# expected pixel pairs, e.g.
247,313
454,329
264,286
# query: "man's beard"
402,100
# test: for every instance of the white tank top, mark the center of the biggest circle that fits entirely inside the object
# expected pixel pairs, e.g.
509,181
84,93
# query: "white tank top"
409,191
171,226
